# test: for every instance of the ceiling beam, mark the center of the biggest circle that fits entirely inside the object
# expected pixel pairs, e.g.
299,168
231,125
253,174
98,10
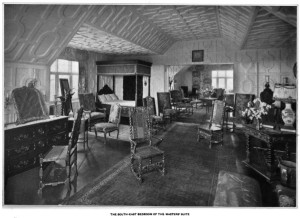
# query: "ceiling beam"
183,20
283,13
293,35
218,20
249,26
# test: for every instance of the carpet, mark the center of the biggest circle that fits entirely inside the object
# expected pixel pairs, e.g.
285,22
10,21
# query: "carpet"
190,180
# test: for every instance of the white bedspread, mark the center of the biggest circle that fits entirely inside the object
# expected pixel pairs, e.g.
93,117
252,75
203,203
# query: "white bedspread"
121,102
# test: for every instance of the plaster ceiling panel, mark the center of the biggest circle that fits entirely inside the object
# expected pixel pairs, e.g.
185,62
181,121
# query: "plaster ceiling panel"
91,38
269,31
183,22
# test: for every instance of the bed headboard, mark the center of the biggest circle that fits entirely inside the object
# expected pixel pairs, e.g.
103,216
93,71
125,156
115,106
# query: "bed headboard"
105,90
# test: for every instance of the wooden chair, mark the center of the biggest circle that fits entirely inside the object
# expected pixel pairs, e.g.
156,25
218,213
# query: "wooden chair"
94,114
229,109
158,122
113,122
165,107
60,160
214,132
144,145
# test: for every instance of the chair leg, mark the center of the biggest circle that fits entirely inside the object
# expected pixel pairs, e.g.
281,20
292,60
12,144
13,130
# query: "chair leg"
117,134
104,137
95,132
163,165
41,185
140,171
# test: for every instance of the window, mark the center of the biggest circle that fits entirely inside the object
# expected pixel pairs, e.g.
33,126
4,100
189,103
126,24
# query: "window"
223,79
63,69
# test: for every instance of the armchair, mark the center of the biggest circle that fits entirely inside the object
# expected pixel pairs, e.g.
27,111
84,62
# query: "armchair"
113,122
165,107
60,160
181,104
91,112
214,132
144,145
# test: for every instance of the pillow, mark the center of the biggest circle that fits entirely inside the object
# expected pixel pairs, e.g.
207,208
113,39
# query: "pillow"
102,98
114,97
108,97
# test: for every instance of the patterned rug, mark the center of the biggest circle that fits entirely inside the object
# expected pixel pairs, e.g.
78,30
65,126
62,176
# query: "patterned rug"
191,176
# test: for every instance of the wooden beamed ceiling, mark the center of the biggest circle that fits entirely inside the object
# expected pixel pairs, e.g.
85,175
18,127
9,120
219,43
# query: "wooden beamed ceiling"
38,33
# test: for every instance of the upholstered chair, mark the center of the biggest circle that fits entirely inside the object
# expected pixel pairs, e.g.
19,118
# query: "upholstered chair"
145,154
91,112
112,124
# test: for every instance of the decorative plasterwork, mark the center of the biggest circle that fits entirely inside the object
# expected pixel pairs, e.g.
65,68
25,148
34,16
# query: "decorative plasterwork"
91,38
121,21
38,33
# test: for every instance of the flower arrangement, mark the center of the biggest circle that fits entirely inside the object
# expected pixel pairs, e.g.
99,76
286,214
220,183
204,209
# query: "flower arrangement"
256,109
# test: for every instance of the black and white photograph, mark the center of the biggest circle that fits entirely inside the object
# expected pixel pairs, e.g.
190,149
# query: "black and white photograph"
150,109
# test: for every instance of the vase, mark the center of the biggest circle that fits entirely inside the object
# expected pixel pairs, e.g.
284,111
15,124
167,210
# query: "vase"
258,124
288,115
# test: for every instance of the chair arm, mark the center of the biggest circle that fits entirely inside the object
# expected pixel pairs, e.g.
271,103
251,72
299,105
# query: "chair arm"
101,109
158,141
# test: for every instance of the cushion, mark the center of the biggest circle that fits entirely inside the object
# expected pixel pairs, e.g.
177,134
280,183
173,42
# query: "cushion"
108,97
114,97
101,127
102,98
237,190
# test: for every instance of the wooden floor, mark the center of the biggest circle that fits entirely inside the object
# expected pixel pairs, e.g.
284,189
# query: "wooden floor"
92,162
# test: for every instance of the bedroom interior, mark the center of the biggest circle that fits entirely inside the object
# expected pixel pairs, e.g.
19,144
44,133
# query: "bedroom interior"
233,70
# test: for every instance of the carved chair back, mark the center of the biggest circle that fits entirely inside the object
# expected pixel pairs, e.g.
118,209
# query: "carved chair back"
140,124
218,113
149,102
76,129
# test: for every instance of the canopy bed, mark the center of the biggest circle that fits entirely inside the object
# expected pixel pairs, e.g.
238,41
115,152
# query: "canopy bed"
135,77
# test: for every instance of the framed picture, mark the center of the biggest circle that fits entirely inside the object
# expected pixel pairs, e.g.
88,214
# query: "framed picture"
197,55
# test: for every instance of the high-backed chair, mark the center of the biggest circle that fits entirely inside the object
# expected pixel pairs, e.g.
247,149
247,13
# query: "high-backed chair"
94,114
144,148
60,160
113,122
218,93
214,131
165,107
229,108
158,122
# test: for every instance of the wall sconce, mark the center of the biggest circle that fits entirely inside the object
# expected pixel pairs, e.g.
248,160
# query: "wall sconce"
145,81
267,78
7,100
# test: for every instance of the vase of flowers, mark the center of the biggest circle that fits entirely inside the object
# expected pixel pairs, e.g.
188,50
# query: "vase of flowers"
255,110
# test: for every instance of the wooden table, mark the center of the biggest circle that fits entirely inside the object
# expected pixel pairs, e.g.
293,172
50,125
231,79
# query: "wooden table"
208,102
263,152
